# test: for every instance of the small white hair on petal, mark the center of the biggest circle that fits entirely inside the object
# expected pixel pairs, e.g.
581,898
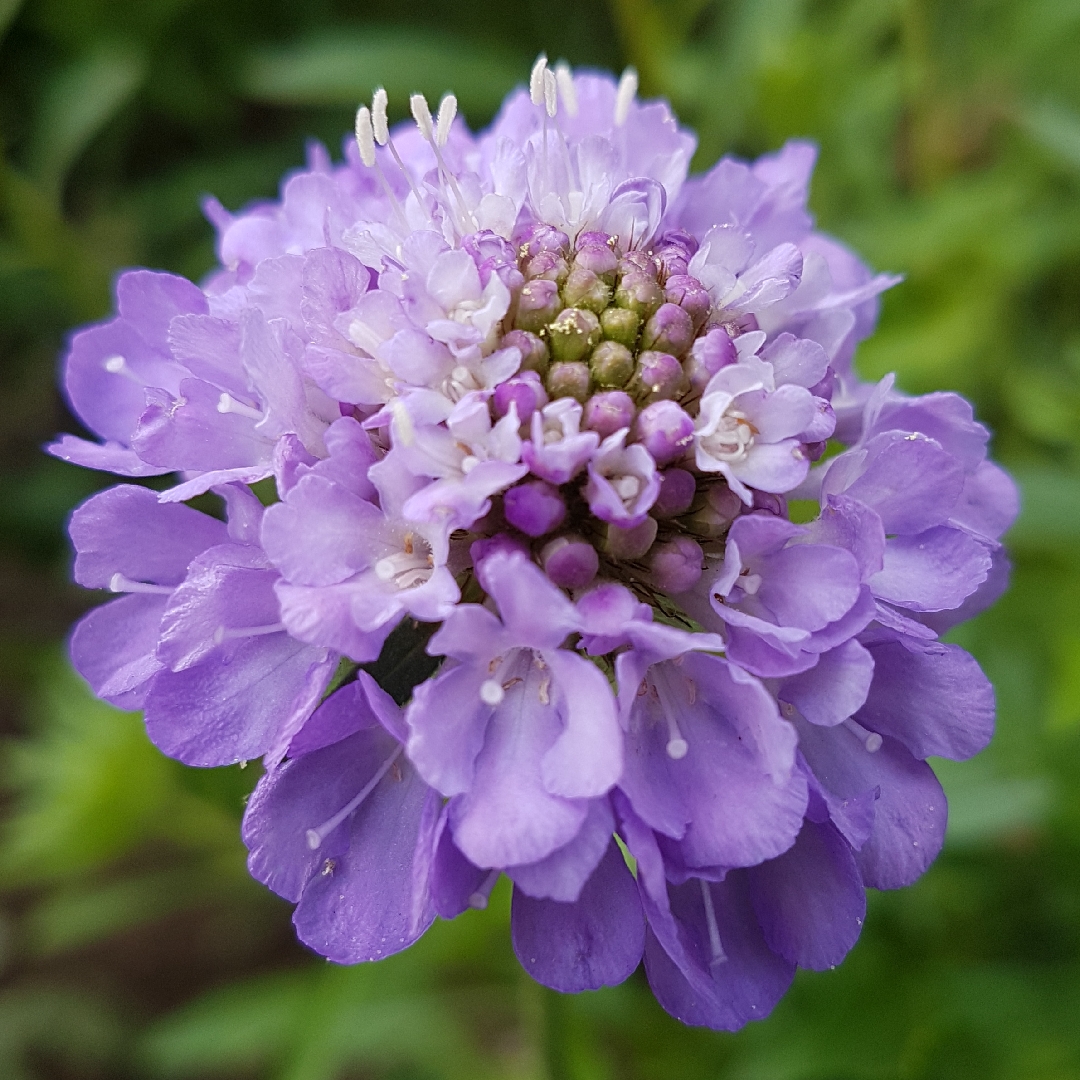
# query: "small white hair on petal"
365,136
624,96
536,80
418,106
447,112
378,117
551,94
564,77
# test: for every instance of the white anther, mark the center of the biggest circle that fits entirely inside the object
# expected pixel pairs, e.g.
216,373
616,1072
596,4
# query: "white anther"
228,404
624,96
551,94
871,740
447,112
365,136
536,80
418,106
750,584
114,365
378,117
627,487
491,693
479,899
468,463
677,748
565,80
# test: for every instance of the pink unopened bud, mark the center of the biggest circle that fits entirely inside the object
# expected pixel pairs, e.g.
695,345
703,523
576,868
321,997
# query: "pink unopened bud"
608,412
629,544
677,490
525,390
708,355
535,507
691,296
670,330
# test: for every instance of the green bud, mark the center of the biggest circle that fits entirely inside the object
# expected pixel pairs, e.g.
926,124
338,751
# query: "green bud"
621,325
568,380
573,335
584,289
639,292
612,364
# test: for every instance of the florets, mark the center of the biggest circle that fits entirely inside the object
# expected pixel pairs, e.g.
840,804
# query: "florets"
541,400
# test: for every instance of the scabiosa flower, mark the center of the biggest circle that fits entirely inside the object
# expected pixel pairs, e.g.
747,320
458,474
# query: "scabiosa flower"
538,399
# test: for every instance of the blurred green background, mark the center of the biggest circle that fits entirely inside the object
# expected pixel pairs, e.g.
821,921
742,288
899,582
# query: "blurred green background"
132,943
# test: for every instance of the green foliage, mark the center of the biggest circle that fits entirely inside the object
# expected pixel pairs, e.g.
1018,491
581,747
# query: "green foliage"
132,940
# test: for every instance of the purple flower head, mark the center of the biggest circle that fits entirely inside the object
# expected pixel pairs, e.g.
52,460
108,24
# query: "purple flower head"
537,400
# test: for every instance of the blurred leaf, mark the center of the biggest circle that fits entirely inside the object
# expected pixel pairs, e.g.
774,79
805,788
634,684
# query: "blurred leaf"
983,807
1055,128
8,10
345,68
1050,510
78,102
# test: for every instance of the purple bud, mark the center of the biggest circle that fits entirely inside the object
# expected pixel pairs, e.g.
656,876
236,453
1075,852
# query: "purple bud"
676,565
665,431
672,262
569,562
815,451
640,261
493,254
825,388
669,330
722,507
538,304
679,238
640,293
630,543
772,504
534,353
677,490
596,256
535,507
608,412
490,545
536,238
691,296
708,355
525,390
547,264
658,376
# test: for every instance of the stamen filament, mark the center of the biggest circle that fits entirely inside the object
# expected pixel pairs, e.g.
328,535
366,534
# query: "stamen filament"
223,633
119,583
228,404
479,899
315,837
117,365
716,948
870,739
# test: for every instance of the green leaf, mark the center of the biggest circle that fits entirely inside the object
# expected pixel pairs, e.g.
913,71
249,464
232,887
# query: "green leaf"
345,68
77,104
1050,510
1055,128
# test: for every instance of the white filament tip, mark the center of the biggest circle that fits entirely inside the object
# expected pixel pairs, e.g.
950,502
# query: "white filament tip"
677,748
115,364
378,117
447,112
365,136
551,94
873,742
565,79
536,80
418,106
313,839
491,693
385,569
624,96
117,583
478,900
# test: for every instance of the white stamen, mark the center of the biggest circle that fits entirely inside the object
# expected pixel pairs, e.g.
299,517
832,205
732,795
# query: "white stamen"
114,364
378,117
491,693
418,106
315,837
120,583
750,583
223,633
715,946
551,94
479,899
447,112
365,136
228,404
405,569
624,96
870,739
565,80
627,487
536,80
